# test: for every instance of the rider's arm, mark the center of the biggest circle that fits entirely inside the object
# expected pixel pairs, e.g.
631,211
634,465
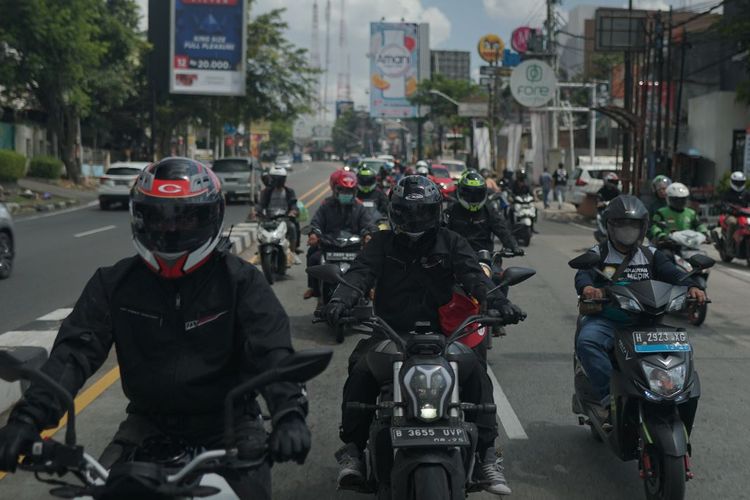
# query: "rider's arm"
697,225
499,227
264,339
466,266
366,223
365,269
81,347
657,231
291,199
318,222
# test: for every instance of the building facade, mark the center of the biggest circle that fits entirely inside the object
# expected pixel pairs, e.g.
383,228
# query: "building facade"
452,64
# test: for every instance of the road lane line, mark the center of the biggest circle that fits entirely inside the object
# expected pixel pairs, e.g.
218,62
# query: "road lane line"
84,399
505,413
313,190
57,212
580,226
93,231
56,315
318,197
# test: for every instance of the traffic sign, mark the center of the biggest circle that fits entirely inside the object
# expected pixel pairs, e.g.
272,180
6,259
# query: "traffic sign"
533,83
485,81
473,109
489,70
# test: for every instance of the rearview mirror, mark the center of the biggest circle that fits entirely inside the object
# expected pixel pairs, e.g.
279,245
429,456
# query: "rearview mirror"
585,261
17,362
484,256
330,273
701,261
304,365
515,275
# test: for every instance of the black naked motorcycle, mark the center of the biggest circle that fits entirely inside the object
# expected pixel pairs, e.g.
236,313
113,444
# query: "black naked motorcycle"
654,387
164,471
421,447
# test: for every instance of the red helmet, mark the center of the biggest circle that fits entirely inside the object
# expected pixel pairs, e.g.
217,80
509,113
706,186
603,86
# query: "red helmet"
177,215
333,179
346,180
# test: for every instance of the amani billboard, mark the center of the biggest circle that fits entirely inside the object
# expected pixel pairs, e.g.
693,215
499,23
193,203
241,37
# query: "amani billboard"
207,47
399,59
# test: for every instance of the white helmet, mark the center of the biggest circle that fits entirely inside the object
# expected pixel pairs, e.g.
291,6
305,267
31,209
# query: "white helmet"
277,171
422,163
738,180
423,170
677,196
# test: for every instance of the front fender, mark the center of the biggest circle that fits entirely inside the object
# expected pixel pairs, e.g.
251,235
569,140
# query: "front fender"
666,433
267,249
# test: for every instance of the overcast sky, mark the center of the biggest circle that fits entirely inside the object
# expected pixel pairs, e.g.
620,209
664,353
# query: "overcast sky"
454,24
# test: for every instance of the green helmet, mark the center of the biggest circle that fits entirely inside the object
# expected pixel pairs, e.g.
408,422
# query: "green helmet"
660,181
472,191
366,179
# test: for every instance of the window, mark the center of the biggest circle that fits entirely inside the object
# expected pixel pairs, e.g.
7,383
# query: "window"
230,166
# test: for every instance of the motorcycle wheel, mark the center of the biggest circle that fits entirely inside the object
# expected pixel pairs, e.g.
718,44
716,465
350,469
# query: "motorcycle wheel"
723,255
430,482
266,263
339,331
668,479
697,314
281,265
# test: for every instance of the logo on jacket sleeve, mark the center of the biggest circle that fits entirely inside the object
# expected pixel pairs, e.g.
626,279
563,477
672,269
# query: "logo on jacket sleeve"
193,324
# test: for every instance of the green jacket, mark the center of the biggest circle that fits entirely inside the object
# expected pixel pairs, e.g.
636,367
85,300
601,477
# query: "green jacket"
676,221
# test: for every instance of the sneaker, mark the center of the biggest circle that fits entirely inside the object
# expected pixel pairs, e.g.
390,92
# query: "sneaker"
490,473
351,467
604,416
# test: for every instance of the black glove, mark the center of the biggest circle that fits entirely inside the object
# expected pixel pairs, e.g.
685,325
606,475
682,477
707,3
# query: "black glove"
15,439
511,313
479,292
518,252
334,310
251,439
290,439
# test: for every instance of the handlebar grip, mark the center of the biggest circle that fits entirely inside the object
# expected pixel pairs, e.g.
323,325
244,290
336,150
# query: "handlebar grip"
318,320
360,406
692,300
594,301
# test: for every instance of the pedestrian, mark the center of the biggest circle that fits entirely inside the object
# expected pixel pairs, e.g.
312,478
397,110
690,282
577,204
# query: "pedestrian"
546,182
561,180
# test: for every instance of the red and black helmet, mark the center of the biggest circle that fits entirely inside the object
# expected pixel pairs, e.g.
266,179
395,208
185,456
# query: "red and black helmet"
346,180
177,215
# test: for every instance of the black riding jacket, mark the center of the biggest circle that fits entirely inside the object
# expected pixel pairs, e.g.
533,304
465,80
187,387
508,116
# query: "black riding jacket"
332,217
181,344
412,282
732,197
376,196
479,227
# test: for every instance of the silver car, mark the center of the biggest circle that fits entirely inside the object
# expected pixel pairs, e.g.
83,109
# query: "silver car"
240,178
7,249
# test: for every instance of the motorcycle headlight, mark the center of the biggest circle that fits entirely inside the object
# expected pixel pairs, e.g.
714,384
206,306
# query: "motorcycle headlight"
628,304
677,304
665,382
428,387
264,237
280,232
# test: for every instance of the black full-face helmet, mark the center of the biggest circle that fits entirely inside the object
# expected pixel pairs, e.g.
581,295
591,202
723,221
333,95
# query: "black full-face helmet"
627,221
415,207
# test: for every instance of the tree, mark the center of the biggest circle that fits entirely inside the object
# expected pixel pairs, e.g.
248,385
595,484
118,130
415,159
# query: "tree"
60,54
281,135
735,27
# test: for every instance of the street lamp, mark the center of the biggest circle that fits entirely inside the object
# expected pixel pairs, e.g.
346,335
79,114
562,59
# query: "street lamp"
450,99
444,96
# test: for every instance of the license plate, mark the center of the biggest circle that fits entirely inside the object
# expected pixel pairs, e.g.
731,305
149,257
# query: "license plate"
123,183
405,437
231,179
647,342
346,256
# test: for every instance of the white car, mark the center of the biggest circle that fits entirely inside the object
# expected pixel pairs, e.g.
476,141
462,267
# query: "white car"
306,158
284,161
389,158
587,179
455,167
115,184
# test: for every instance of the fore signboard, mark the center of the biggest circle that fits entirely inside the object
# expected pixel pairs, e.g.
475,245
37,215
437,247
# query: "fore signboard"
207,47
533,83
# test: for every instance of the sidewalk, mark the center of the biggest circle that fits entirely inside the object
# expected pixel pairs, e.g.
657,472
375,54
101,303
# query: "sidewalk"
567,213
76,194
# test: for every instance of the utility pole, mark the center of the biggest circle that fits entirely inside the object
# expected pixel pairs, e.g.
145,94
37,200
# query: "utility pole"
552,53
659,65
626,164
667,114
678,107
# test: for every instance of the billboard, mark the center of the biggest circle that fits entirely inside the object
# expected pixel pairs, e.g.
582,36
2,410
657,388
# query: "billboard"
207,47
399,60
343,106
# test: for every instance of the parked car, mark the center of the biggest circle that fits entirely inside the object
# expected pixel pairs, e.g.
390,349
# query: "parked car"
7,242
455,167
115,184
440,175
373,163
587,179
306,158
284,161
388,158
240,178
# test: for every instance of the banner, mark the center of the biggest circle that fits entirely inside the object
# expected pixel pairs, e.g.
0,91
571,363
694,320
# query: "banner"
397,51
207,47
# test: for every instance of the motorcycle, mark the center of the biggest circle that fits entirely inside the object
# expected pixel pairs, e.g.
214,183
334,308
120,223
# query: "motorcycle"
273,245
173,472
522,216
682,245
340,250
420,447
600,234
381,219
654,387
737,245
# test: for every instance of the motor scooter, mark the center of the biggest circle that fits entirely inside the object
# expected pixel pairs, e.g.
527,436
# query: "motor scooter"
273,244
522,217
735,245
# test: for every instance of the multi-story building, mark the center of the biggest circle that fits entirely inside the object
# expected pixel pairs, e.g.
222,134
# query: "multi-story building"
452,64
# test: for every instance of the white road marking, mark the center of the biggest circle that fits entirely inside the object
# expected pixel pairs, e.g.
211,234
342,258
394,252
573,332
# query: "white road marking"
57,212
738,339
580,226
735,273
93,231
505,413
56,315
36,338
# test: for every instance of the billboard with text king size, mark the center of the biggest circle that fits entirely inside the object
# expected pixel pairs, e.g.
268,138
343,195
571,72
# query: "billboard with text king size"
207,47
399,60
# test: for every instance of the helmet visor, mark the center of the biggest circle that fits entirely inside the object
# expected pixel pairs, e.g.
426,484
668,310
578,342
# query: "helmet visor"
366,180
415,218
472,194
738,184
174,228
678,204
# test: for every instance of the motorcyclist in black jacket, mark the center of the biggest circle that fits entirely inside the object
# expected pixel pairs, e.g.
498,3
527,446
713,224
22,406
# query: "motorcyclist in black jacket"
188,321
414,268
368,191
471,217
340,212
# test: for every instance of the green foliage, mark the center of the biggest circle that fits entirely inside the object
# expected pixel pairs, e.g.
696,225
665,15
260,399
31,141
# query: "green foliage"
12,165
281,135
736,29
45,167
442,111
352,131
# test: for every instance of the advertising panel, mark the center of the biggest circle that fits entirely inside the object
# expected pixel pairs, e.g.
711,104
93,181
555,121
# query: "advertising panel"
533,83
397,54
207,47
490,48
343,107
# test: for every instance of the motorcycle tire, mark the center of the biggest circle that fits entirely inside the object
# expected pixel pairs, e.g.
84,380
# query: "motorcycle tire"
723,255
267,264
340,331
697,314
668,479
281,265
430,482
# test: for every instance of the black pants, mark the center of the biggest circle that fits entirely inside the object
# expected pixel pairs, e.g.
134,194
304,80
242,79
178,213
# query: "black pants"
362,387
137,430
314,258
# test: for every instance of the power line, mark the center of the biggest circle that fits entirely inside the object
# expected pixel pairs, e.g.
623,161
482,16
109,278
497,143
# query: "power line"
700,14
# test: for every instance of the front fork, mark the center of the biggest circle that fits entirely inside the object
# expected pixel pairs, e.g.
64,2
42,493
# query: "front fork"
649,439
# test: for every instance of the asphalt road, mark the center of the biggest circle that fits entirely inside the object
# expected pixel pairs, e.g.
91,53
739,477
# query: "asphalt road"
548,456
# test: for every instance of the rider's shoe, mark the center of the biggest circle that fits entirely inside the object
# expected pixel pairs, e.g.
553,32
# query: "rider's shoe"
351,467
604,415
489,473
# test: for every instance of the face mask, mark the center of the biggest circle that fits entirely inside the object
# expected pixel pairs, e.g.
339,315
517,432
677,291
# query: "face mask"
627,235
346,199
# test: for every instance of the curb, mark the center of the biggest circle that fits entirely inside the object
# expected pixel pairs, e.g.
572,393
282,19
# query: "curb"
17,208
242,236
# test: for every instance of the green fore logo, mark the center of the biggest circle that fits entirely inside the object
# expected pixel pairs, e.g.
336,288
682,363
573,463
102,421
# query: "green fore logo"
534,73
